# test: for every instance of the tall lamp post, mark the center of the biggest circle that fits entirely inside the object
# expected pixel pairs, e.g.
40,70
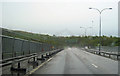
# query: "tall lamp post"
85,29
100,12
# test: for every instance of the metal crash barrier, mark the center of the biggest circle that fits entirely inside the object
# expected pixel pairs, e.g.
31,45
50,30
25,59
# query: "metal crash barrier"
105,54
15,50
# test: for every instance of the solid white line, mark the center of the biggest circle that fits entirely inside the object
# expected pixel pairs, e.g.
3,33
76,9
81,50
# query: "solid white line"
95,65
38,67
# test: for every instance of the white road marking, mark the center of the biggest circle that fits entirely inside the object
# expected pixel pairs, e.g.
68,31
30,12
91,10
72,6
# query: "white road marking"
95,65
38,67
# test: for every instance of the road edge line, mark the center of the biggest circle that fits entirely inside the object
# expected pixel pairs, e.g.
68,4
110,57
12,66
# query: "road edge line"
27,74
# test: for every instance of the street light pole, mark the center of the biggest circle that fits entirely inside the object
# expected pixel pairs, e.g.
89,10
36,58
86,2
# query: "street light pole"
100,12
85,29
92,28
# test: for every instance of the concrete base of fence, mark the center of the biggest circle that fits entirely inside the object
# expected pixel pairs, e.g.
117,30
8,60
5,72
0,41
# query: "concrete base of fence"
42,59
47,56
18,69
33,62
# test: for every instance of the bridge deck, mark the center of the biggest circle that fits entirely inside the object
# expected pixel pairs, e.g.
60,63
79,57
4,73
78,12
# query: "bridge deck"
77,61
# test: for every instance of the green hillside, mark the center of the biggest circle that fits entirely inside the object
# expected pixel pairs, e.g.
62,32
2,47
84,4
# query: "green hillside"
64,41
31,36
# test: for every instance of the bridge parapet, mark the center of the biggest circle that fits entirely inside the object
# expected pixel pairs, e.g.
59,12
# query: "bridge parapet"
15,51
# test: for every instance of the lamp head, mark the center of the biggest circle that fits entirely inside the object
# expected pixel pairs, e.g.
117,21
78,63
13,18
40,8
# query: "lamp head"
110,8
90,8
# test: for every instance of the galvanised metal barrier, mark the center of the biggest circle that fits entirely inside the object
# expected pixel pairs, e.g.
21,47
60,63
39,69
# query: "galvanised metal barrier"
13,47
103,53
15,50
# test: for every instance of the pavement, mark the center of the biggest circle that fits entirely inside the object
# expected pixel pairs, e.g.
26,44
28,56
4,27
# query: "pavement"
77,61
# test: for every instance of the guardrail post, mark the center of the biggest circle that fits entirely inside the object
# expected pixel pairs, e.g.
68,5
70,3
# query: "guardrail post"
34,59
103,54
41,56
109,55
46,54
18,64
117,57
49,53
98,53
2,55
12,65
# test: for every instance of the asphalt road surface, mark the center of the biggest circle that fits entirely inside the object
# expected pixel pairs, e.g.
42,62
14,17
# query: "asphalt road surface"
78,61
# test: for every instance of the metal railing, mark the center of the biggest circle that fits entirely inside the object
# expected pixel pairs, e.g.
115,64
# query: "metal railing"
113,55
13,47
15,50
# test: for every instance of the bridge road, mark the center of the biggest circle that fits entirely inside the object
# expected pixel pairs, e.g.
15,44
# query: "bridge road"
77,61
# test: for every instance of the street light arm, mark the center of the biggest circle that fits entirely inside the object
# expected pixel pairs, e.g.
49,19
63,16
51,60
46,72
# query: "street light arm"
86,27
82,27
96,9
106,9
101,10
90,27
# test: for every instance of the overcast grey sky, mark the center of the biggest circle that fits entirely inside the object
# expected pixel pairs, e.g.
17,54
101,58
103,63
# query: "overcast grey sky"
59,17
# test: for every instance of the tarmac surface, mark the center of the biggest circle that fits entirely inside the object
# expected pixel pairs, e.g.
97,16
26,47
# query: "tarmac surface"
78,61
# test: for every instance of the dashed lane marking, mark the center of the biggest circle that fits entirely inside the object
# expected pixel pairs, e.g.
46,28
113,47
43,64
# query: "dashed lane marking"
95,65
